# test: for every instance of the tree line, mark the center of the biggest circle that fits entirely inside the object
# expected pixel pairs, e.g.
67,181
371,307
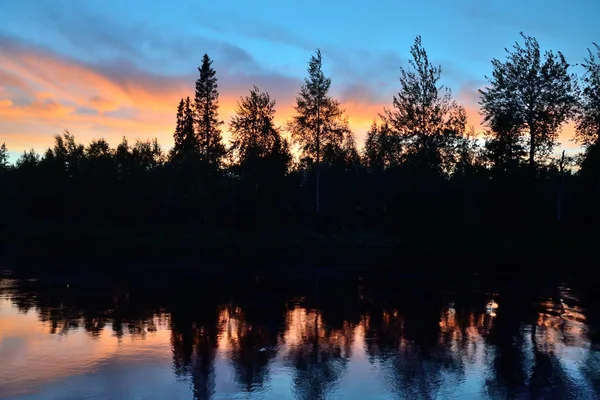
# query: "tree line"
422,170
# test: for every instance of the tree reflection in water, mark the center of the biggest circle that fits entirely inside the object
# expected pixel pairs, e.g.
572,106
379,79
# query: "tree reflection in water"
508,343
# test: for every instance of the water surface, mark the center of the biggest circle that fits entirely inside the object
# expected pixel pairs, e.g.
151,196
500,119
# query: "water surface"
350,339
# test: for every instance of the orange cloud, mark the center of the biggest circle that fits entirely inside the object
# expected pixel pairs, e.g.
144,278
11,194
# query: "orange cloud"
6,103
75,96
87,101
361,116
41,94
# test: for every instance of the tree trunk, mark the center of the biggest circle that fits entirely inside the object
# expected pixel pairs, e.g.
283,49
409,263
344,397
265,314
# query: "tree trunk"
560,188
206,121
318,167
318,205
532,150
207,173
205,218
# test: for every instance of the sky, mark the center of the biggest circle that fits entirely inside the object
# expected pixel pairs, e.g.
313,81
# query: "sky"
115,68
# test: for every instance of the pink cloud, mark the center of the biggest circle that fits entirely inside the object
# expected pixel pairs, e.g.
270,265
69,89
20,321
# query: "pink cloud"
42,93
64,86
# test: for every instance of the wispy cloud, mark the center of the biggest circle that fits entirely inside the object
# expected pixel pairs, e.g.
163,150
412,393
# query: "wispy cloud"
45,90
110,71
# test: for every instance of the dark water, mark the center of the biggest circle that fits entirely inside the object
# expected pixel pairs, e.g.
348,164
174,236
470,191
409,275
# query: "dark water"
350,339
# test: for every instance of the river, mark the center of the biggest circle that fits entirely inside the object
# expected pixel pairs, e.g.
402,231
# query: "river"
197,338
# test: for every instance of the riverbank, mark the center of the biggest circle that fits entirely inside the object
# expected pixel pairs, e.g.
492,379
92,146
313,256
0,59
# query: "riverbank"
170,249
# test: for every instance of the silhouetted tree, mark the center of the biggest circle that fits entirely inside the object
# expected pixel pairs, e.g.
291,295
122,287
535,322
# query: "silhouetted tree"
3,156
382,148
425,129
4,184
208,124
187,144
148,154
529,94
100,174
467,158
504,147
208,129
262,155
319,122
28,161
424,116
588,116
252,127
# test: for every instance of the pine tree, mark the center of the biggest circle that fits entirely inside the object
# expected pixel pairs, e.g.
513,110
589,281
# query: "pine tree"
178,134
529,95
206,107
319,121
3,156
186,148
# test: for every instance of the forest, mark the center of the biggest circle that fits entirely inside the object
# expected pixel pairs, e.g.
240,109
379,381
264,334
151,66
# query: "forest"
423,179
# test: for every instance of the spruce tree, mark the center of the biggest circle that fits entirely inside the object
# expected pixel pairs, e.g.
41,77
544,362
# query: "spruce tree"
206,108
3,156
319,122
186,148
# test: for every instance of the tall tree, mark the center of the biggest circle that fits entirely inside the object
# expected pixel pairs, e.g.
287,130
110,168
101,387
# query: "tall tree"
532,94
208,123
588,115
588,129
187,146
424,116
3,156
319,121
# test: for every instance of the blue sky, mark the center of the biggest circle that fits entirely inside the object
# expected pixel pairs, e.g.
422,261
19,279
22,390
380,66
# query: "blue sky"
125,64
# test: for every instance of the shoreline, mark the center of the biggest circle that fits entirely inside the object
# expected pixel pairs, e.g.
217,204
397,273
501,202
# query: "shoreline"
158,252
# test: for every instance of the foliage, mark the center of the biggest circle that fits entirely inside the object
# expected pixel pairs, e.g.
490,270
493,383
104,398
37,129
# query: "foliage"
424,118
588,116
187,144
206,102
3,156
529,94
319,122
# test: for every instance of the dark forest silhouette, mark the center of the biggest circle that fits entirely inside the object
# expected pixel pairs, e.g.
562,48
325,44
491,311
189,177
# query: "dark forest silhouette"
422,175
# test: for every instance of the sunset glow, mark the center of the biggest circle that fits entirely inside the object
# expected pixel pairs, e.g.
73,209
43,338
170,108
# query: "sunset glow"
50,80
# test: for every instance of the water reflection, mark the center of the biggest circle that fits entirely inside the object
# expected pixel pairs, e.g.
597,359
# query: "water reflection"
353,341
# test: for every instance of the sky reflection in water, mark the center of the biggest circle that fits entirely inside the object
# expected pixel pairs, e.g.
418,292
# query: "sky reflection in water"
75,343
